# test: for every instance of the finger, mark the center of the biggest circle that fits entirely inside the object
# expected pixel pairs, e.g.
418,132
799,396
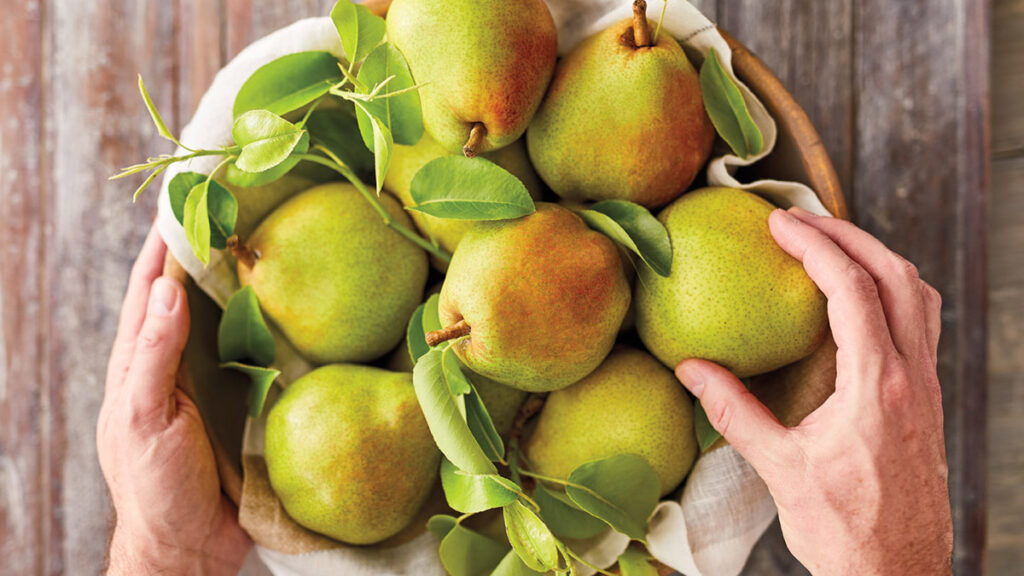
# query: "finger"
736,414
147,268
152,376
854,308
897,279
933,318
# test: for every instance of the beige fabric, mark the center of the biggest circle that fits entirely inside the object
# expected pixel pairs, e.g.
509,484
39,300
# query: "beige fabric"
707,531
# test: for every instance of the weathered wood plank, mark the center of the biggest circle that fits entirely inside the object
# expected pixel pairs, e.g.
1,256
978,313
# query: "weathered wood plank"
246,20
28,532
919,185
98,123
201,52
1008,80
807,44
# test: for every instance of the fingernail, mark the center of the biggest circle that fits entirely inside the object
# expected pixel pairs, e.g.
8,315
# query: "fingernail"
786,216
801,212
691,377
163,296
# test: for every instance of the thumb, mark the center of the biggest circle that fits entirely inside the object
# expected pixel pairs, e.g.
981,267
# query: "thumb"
152,377
735,413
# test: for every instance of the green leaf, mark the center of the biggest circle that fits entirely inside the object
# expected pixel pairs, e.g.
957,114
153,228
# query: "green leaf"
288,83
431,317
178,189
464,552
243,334
530,538
727,109
401,114
634,227
622,490
482,427
238,177
706,433
564,517
266,140
161,126
463,188
383,146
441,524
512,565
337,130
457,381
197,221
359,29
471,493
415,337
221,206
447,425
636,562
262,380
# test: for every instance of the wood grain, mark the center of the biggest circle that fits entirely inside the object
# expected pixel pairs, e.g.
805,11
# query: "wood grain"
1008,81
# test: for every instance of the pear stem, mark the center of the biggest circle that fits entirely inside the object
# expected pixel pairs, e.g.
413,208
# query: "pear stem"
457,330
476,137
242,252
641,29
529,408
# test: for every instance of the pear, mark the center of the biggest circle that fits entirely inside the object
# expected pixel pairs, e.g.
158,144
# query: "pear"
349,453
630,405
483,65
733,297
406,161
337,281
623,119
534,303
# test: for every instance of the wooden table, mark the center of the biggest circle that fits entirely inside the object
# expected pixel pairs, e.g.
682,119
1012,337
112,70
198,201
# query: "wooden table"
898,90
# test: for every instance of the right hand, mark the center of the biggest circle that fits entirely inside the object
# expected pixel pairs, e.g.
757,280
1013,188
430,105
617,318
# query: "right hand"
861,483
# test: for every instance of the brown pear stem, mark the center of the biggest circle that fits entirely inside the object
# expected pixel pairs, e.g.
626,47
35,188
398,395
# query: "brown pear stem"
532,406
457,330
641,29
476,137
242,252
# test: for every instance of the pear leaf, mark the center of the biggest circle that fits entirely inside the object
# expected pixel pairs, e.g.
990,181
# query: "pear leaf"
243,334
158,120
197,221
464,552
383,146
359,29
728,110
415,337
564,517
441,524
530,538
288,83
457,381
482,427
471,493
512,565
266,140
636,562
221,206
446,422
461,188
706,433
633,226
262,380
431,317
622,490
401,114
238,177
338,130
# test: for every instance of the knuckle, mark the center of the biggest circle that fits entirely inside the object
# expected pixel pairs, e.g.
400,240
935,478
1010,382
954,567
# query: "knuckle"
933,295
720,415
153,338
860,282
904,268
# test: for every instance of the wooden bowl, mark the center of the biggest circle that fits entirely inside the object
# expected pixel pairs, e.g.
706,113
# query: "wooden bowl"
799,156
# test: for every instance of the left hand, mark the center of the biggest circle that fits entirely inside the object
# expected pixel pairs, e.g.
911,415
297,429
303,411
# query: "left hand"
153,448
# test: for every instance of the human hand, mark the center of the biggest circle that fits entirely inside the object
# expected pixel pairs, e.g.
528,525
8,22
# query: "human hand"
153,449
861,483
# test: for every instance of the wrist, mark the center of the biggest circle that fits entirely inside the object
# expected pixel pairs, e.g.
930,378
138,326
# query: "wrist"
135,553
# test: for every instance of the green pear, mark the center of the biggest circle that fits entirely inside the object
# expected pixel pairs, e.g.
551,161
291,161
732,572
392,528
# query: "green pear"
734,296
483,66
406,161
622,120
349,453
630,405
534,303
337,281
